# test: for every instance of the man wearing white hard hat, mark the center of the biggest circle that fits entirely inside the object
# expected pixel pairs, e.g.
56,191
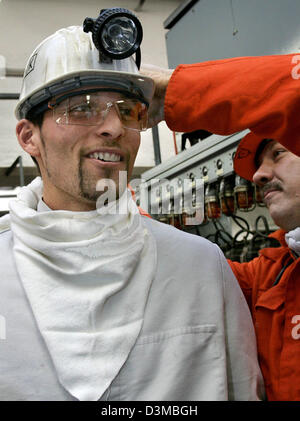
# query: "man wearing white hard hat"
101,305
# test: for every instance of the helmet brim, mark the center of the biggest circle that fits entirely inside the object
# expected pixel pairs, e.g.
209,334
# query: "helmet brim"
135,84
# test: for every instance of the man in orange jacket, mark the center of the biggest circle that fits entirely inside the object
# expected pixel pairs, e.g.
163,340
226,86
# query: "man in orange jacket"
262,94
270,282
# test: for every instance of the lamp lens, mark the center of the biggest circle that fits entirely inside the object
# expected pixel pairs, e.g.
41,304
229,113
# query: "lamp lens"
119,35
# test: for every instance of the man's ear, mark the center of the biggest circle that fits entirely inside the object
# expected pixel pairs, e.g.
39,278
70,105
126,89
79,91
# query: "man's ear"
28,135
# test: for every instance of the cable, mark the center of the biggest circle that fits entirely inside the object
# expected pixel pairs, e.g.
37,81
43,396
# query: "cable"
236,220
220,232
266,225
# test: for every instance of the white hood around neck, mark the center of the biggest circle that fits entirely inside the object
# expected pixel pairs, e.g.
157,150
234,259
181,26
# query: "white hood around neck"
87,277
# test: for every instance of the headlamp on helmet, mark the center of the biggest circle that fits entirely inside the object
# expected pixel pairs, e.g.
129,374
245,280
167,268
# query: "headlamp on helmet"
75,58
117,34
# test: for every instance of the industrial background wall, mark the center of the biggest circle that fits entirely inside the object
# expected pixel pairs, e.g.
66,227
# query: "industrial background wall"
213,29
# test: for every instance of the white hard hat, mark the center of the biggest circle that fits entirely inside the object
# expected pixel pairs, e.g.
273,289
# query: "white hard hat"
68,60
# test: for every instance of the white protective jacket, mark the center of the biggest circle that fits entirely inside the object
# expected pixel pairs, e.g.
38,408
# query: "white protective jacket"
196,342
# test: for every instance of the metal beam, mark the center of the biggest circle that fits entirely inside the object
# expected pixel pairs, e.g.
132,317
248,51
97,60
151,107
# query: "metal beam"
9,96
156,146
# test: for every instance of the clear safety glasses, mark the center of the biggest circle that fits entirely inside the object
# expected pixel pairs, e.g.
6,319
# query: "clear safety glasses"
91,110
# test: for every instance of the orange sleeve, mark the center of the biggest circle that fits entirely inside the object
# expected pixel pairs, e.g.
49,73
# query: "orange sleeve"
226,96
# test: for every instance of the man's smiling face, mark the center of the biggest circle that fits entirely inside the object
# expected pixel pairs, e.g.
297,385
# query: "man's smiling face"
73,158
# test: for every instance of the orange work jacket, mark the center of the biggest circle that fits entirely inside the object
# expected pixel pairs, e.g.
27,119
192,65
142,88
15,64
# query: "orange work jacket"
271,284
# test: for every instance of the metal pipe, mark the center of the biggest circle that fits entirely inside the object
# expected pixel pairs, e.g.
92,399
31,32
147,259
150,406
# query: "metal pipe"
157,155
9,72
139,6
21,169
9,96
175,144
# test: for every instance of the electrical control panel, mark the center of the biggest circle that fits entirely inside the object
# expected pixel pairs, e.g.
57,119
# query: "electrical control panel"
208,161
223,207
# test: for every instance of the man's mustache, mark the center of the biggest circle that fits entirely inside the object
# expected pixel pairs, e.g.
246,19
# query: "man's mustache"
272,185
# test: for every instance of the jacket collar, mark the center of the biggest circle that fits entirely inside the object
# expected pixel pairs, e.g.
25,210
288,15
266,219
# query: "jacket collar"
275,253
